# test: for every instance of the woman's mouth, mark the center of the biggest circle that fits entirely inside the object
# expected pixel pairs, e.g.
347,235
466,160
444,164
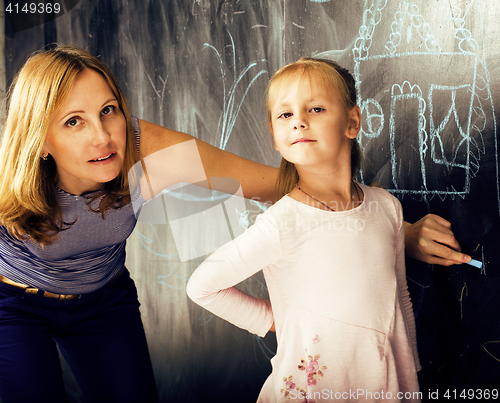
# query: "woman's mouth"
104,158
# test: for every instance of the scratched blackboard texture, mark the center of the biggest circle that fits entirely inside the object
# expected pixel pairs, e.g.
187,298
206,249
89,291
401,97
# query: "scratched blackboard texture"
428,82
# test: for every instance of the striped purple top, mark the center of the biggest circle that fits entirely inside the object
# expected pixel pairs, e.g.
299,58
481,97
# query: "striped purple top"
84,258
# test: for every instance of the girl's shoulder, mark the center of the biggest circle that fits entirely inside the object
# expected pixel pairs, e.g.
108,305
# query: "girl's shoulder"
378,200
378,193
281,211
285,205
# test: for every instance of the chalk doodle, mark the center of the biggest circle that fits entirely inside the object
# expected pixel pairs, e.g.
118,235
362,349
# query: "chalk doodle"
175,278
443,135
461,300
231,109
485,349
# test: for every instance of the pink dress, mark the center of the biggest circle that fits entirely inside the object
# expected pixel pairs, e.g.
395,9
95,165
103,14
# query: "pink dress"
338,297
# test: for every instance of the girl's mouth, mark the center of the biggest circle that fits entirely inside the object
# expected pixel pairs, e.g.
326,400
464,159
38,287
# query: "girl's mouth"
303,140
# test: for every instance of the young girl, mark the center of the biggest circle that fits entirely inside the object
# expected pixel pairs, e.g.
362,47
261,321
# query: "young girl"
332,252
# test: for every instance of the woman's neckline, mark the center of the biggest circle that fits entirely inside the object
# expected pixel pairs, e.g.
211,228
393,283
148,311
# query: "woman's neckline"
60,190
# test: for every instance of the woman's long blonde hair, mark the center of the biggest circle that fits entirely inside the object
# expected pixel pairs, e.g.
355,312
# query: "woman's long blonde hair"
330,75
28,202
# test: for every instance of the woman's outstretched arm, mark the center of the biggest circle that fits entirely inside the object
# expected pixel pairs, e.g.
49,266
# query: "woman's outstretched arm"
171,157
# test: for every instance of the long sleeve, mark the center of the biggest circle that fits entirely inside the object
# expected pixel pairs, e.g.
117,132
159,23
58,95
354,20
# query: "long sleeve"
407,306
212,284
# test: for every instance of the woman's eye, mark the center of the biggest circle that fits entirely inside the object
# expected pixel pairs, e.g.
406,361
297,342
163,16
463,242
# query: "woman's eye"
108,109
75,121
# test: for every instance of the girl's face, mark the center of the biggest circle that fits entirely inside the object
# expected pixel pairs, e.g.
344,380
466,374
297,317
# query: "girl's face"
87,135
310,125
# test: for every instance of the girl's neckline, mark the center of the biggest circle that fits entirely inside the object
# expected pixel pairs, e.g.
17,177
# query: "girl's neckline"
357,208
326,205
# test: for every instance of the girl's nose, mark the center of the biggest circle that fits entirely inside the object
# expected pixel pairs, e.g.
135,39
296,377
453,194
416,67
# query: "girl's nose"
299,124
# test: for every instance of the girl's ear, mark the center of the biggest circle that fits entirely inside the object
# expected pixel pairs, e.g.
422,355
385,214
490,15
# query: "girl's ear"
354,122
272,134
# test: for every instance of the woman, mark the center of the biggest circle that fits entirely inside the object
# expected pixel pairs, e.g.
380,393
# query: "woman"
65,214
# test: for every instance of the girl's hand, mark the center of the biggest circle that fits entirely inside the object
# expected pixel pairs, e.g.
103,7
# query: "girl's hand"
431,240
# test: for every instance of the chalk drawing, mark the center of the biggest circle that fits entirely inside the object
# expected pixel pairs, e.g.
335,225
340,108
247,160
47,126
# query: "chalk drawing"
398,34
485,349
231,107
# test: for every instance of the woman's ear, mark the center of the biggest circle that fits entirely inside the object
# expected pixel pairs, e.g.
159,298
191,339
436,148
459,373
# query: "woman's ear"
46,148
354,127
45,152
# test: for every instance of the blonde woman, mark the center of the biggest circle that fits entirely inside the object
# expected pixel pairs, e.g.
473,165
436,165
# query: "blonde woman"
65,214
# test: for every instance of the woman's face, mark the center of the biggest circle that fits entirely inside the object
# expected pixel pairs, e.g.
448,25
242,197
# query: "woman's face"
87,135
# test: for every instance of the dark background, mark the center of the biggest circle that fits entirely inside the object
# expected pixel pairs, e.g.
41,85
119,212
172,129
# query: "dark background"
427,74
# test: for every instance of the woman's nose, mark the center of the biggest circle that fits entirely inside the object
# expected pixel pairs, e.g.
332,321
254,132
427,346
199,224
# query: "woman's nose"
100,135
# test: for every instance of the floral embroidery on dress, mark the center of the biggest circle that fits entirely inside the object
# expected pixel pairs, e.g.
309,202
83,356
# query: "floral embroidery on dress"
314,374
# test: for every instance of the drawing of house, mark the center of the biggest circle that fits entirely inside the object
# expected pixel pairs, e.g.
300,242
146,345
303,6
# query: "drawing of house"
424,93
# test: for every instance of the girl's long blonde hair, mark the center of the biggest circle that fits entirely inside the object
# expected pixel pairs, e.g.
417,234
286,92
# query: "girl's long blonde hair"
28,202
330,75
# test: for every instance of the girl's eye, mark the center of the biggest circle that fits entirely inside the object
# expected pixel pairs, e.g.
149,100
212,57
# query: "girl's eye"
72,122
285,115
317,110
108,109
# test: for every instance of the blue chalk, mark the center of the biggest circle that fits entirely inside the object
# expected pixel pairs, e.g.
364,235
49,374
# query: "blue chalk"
476,263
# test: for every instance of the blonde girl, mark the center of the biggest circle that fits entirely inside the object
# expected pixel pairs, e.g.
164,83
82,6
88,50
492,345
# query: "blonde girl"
332,252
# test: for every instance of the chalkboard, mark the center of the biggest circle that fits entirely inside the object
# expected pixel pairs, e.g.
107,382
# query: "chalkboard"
427,75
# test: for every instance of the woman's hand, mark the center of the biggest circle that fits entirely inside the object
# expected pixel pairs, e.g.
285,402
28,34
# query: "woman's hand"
431,240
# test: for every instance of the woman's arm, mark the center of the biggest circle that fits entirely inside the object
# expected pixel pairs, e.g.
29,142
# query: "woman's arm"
168,162
431,240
